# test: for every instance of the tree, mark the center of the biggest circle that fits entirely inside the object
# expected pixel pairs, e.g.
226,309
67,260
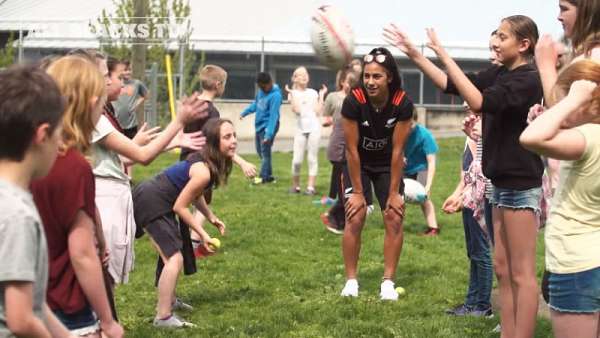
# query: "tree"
162,16
8,52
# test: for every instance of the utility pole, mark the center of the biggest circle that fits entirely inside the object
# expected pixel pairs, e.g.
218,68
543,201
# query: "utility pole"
138,55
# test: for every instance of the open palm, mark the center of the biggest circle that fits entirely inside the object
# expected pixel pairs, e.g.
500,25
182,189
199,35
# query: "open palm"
396,37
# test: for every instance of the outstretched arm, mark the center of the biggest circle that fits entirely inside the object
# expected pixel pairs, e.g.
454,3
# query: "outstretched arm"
465,87
544,135
248,168
190,109
396,37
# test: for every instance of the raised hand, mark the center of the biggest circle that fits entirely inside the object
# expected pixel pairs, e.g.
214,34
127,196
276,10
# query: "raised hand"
194,141
323,91
546,52
581,90
434,42
191,108
396,37
145,135
288,89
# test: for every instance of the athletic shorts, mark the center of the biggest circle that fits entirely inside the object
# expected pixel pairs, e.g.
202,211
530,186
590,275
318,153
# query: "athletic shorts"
577,292
164,230
380,177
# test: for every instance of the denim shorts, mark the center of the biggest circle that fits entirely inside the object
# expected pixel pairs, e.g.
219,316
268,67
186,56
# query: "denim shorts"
577,292
517,199
80,323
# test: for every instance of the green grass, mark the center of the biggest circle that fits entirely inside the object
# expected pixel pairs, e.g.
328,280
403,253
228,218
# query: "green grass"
279,273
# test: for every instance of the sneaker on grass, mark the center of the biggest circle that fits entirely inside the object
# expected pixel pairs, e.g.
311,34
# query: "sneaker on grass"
350,289
388,292
172,322
459,310
179,305
486,313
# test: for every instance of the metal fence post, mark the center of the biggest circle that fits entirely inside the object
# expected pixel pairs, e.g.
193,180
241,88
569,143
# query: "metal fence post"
151,106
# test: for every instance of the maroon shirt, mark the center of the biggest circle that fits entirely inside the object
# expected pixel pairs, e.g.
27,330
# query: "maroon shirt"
68,188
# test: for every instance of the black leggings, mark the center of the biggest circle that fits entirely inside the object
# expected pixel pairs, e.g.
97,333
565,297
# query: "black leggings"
336,177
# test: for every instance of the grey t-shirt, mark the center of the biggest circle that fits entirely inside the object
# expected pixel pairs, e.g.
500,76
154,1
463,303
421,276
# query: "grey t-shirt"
23,248
124,106
333,107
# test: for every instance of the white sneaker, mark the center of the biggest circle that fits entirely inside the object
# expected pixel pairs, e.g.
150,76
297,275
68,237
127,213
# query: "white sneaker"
350,289
172,322
370,209
387,291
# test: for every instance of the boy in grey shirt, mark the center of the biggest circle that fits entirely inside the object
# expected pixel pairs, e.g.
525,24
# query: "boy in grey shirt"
31,110
133,94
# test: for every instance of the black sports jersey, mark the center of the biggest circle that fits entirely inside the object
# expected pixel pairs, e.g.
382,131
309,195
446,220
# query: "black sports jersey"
376,128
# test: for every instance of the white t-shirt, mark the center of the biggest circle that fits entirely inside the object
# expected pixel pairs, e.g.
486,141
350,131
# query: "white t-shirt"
573,229
106,163
307,118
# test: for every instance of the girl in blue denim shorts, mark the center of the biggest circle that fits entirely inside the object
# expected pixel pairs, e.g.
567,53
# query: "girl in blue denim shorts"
573,229
504,93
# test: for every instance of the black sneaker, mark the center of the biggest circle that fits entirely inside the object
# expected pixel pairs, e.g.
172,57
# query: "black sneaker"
459,310
487,313
271,179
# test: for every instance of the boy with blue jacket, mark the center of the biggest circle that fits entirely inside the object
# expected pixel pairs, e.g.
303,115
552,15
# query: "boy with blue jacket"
266,123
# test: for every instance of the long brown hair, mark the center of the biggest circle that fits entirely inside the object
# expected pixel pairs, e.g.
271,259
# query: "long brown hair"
79,81
581,70
586,30
218,164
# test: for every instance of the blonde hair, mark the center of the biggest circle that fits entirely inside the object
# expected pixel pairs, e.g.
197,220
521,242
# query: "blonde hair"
79,81
210,76
585,69
296,73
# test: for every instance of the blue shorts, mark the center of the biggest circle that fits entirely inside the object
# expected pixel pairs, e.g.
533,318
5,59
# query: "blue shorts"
80,323
577,292
517,199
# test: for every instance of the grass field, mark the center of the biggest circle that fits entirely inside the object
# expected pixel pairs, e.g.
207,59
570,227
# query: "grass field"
279,273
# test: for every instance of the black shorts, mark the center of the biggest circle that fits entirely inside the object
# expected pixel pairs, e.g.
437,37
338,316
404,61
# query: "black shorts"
164,230
379,176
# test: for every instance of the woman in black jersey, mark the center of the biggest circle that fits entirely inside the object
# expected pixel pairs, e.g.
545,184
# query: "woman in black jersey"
503,94
376,121
157,201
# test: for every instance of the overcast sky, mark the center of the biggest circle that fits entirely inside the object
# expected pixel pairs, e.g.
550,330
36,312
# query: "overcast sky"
457,21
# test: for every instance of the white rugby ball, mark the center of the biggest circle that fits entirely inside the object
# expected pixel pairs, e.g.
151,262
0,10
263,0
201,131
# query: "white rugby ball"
414,192
332,37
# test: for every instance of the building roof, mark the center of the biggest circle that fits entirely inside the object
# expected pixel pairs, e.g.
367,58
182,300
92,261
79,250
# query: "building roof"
235,26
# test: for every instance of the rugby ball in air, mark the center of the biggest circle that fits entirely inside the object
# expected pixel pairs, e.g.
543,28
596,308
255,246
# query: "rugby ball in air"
414,192
332,37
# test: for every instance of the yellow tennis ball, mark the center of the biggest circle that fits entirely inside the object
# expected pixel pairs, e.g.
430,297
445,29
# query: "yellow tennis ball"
401,291
214,244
